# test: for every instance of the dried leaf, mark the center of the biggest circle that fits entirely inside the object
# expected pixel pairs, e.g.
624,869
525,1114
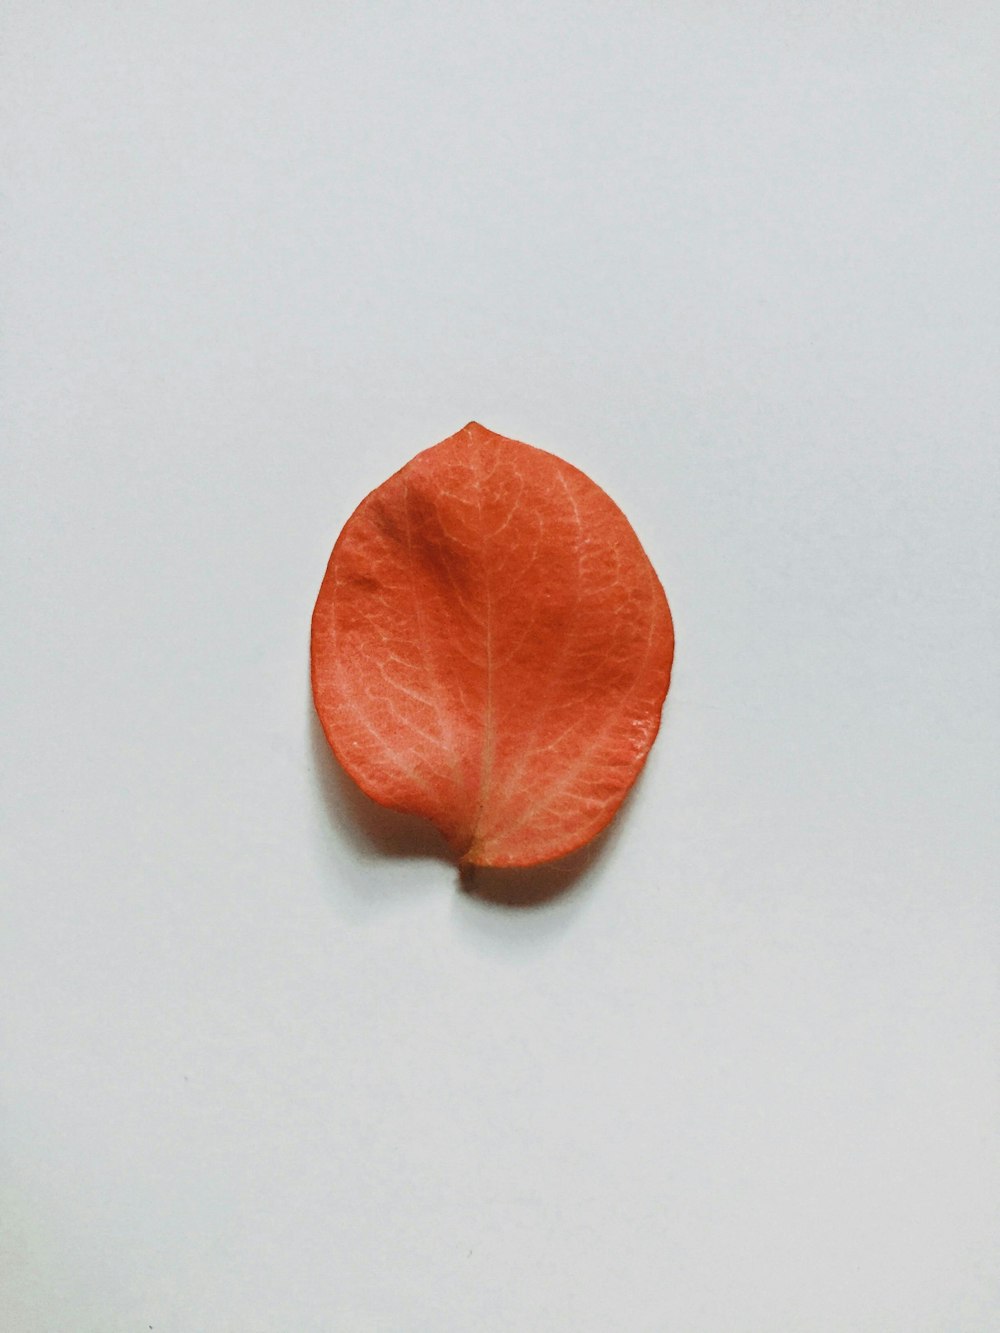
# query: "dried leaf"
491,649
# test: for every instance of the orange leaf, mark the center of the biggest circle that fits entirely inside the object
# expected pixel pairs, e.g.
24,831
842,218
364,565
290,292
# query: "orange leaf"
491,649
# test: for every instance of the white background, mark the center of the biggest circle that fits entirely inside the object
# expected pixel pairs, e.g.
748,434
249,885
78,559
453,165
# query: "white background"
264,1067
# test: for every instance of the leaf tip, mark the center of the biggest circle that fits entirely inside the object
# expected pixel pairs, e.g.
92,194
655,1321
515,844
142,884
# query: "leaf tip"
475,429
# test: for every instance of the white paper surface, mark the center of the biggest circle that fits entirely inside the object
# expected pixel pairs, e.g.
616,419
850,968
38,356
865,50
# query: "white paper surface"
262,1073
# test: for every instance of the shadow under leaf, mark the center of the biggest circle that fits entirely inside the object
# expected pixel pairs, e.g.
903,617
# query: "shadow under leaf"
531,886
373,829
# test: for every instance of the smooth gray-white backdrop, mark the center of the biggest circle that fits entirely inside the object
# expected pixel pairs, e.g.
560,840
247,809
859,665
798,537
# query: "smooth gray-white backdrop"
264,1068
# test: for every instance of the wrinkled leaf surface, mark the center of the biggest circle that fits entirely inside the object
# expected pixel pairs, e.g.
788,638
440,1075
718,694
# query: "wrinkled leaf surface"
491,649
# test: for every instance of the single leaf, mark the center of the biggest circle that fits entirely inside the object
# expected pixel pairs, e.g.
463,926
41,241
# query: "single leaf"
491,649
